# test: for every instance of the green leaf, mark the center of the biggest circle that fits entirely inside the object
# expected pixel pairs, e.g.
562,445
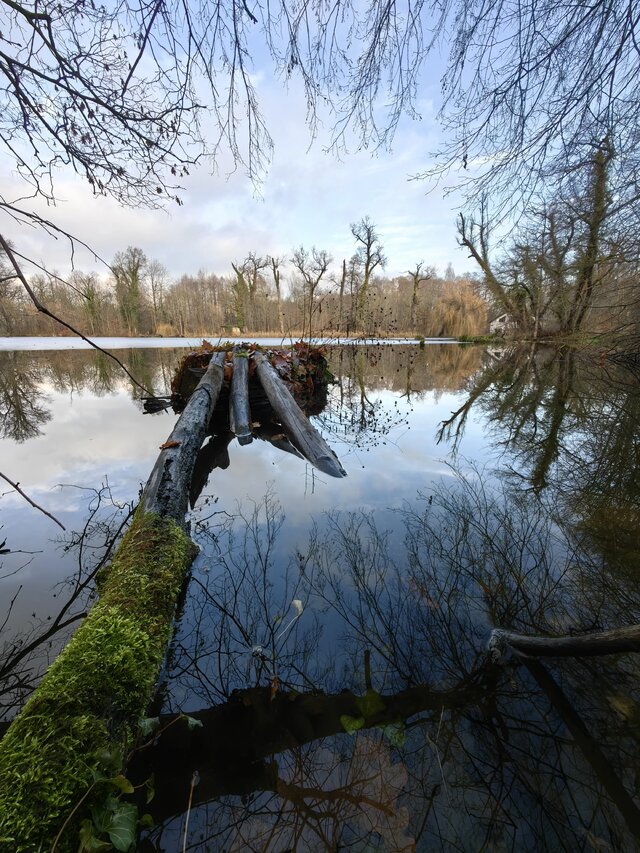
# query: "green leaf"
370,703
146,821
102,813
192,723
110,759
150,785
122,827
148,725
351,724
122,784
395,734
89,843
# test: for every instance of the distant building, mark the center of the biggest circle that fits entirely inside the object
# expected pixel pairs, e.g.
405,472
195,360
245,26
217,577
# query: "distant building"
500,325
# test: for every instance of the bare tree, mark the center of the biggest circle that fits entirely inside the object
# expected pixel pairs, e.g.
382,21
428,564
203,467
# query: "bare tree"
128,268
312,266
158,280
276,263
371,257
418,276
529,87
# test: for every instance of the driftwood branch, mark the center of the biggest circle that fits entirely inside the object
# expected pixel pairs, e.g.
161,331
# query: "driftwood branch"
612,642
17,488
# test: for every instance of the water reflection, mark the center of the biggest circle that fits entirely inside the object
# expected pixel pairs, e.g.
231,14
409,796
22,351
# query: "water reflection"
28,378
445,750
367,715
25,652
569,423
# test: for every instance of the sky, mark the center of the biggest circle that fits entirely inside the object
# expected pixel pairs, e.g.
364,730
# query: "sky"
308,197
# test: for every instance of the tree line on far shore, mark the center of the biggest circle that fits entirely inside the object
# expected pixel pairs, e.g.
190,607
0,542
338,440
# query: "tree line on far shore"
306,293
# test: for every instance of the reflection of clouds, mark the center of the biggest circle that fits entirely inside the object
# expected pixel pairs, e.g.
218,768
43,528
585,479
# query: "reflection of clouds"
88,438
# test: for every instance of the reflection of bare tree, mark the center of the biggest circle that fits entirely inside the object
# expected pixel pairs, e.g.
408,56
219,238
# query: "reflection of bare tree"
356,413
23,409
446,752
569,424
25,654
25,378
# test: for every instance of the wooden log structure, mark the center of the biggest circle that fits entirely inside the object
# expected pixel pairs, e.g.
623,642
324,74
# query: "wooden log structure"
239,409
307,439
260,401
62,758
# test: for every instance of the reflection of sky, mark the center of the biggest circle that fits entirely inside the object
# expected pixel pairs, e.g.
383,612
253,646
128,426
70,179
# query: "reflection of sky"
64,343
91,438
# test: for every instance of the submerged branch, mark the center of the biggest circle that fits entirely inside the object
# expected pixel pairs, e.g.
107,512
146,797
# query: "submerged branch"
17,488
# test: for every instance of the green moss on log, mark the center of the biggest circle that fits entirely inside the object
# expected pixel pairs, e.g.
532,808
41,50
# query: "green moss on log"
93,695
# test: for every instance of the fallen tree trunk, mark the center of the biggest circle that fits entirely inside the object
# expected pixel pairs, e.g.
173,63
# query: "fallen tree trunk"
308,440
234,747
167,489
61,757
611,642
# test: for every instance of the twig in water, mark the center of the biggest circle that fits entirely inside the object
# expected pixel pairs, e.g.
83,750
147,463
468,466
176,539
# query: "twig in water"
194,780
28,499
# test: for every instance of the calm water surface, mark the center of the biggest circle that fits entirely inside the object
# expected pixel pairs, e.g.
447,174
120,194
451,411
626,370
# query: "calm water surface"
330,649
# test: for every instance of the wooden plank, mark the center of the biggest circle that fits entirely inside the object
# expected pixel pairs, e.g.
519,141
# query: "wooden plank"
167,489
239,410
300,432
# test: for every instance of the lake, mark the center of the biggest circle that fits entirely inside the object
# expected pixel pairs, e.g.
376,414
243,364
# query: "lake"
331,645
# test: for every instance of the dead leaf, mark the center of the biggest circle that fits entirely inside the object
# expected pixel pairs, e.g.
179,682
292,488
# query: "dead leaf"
275,685
168,444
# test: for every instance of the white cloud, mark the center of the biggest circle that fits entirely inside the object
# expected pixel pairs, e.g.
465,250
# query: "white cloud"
308,197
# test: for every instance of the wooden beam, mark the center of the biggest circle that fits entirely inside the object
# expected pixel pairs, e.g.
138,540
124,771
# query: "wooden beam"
300,432
239,410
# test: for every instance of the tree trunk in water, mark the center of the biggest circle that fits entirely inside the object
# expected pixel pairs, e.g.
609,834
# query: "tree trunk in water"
84,714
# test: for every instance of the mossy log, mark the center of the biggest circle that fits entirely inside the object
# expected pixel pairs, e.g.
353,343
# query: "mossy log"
83,717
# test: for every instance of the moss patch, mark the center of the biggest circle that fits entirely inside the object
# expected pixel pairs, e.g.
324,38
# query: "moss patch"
93,695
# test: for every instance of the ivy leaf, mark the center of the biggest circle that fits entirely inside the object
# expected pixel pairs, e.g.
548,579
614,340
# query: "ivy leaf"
148,725
89,843
122,784
150,785
351,724
122,827
370,703
110,759
395,734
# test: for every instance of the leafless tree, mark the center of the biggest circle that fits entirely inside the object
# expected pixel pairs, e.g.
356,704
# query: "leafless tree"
418,276
312,266
276,264
370,254
129,268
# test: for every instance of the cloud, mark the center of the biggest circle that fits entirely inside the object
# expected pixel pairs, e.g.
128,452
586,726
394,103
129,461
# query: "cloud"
308,196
